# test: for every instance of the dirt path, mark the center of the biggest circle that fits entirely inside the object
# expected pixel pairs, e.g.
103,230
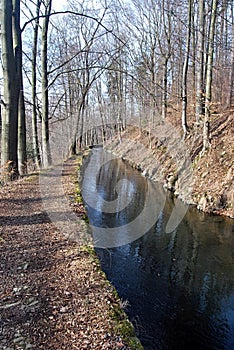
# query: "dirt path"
52,293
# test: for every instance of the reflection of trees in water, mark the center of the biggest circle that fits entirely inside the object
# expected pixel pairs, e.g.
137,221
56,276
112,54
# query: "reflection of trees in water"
194,269
179,283
108,176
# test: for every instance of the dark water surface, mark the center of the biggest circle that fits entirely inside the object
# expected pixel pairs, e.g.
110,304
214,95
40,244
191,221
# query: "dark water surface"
179,286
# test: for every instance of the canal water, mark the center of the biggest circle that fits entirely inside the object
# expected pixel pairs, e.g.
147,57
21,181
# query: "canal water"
177,287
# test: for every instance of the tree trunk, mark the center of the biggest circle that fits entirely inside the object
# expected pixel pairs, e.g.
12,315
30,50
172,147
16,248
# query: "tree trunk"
231,76
9,140
36,152
200,64
22,150
164,98
206,129
17,44
185,71
194,55
45,94
73,146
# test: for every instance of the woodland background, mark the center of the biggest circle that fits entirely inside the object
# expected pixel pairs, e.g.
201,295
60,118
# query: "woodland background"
75,76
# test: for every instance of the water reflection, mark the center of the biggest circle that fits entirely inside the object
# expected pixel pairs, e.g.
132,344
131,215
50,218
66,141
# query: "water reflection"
105,191
113,203
180,285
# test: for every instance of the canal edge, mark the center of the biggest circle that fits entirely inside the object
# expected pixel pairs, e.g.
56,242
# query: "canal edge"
122,326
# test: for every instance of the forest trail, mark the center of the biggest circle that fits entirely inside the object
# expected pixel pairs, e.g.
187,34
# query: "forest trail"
52,294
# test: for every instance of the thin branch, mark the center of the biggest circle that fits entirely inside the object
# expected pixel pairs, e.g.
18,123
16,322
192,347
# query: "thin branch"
84,50
76,14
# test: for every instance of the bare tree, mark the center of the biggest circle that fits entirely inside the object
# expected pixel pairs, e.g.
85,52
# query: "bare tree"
11,92
200,64
206,130
17,44
185,70
36,152
231,74
164,36
46,153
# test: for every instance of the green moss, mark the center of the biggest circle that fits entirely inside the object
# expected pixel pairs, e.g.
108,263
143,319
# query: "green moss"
78,198
85,218
78,195
89,249
195,161
32,177
124,328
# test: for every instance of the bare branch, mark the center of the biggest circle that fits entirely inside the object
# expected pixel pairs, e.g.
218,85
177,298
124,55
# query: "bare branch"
76,14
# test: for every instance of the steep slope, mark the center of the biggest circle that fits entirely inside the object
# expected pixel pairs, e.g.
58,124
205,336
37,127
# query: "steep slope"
205,180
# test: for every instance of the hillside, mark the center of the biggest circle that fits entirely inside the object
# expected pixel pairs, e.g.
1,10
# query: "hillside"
208,183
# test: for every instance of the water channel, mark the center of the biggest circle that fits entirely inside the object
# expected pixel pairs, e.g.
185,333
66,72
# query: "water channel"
178,287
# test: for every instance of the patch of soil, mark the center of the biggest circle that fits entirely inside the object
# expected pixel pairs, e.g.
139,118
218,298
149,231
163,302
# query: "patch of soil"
53,294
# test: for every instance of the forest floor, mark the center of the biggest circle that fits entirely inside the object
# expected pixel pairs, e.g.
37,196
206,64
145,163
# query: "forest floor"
209,184
53,294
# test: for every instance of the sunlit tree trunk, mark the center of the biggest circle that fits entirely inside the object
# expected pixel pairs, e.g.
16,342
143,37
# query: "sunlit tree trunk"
164,97
11,93
231,75
22,148
185,71
36,152
206,130
101,110
194,55
46,153
200,64
17,45
166,51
